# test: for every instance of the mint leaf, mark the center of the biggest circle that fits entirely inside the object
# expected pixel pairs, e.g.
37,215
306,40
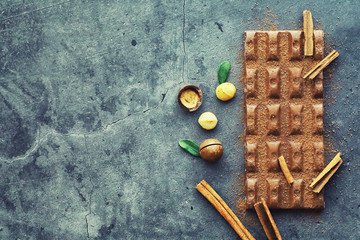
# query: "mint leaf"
223,71
190,146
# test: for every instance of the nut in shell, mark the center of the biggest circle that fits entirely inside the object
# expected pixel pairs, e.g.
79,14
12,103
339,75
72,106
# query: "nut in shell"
190,97
211,150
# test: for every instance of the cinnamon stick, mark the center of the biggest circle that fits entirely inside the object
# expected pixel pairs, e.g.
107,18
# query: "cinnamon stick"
321,65
326,174
308,33
285,170
267,221
209,193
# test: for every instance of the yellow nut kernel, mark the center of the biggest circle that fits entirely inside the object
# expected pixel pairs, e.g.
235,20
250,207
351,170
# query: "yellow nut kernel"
225,91
208,120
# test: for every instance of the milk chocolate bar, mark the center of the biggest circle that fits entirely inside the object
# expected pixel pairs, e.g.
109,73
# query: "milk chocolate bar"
284,117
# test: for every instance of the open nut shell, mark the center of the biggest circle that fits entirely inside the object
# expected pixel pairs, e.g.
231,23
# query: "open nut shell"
195,89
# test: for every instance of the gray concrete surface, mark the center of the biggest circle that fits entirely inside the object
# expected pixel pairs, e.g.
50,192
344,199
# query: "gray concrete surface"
90,124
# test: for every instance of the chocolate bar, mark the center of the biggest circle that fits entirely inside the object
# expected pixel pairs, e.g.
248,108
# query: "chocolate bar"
284,116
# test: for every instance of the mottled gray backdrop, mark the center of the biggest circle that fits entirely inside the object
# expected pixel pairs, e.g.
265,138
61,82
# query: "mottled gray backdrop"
89,122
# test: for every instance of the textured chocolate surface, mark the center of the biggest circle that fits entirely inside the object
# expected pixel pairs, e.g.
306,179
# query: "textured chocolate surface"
284,116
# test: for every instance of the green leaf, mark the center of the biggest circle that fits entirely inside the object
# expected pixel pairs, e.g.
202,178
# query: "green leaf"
190,146
223,71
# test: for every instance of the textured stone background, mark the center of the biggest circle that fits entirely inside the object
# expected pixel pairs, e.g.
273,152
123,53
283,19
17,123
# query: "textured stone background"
89,122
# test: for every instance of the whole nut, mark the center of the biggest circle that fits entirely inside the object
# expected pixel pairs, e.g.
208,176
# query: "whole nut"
211,150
